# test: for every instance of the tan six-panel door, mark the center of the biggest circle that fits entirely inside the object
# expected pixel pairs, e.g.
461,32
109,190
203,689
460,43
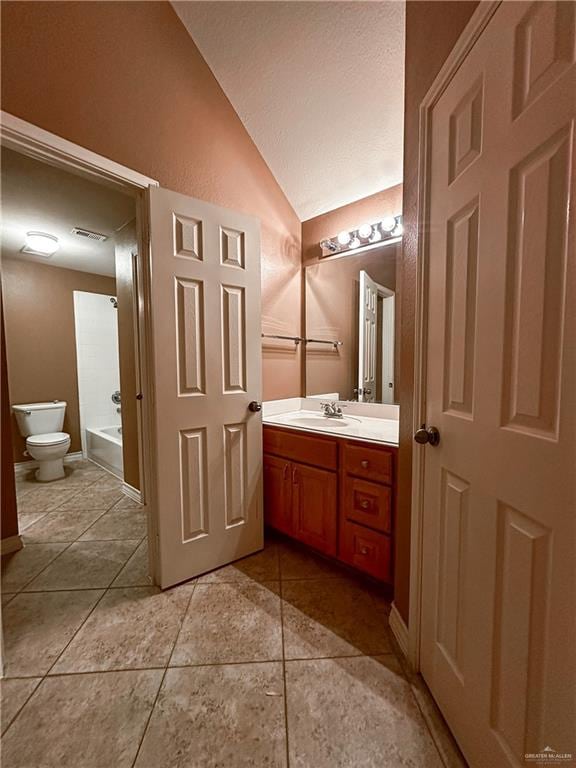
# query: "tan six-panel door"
205,288
498,633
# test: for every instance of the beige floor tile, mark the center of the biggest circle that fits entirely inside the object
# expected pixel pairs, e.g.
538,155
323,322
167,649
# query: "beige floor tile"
263,566
76,477
298,563
13,695
61,526
133,627
355,713
127,503
20,567
445,743
92,497
333,617
230,623
118,524
7,596
85,565
108,481
136,571
46,498
38,626
218,716
26,519
83,721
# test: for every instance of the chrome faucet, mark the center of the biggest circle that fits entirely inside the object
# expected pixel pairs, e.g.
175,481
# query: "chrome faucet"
331,410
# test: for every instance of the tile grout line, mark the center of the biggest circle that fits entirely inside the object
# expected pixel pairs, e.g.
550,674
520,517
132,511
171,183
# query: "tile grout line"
166,668
283,658
32,692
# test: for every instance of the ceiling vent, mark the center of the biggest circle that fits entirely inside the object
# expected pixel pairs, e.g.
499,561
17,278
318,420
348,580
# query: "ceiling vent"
88,235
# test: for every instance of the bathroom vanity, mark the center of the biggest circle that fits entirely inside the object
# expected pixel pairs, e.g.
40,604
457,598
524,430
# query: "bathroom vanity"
331,484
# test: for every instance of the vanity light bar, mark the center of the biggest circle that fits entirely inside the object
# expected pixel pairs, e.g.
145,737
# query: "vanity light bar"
389,228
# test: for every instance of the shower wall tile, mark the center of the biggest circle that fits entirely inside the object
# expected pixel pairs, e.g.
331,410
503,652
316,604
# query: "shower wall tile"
96,322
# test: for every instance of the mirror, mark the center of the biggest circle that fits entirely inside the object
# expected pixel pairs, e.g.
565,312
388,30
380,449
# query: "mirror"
350,326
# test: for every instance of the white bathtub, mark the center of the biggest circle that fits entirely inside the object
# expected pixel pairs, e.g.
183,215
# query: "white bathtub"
104,447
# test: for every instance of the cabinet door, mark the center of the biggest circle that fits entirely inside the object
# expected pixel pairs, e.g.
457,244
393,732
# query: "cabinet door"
277,494
314,501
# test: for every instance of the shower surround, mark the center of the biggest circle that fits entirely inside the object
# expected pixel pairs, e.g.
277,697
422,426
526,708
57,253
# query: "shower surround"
96,322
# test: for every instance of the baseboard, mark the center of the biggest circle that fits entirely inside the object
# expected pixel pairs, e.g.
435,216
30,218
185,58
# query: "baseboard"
11,544
23,466
132,493
399,629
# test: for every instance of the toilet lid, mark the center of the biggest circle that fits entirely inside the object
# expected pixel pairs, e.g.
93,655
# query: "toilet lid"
51,438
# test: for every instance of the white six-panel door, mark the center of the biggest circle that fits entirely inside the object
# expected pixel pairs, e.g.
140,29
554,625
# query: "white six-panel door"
205,289
498,647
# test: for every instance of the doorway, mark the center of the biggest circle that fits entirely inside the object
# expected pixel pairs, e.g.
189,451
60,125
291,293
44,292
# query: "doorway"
71,332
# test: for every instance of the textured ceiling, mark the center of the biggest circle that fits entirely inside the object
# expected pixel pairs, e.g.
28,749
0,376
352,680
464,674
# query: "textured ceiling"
319,87
39,197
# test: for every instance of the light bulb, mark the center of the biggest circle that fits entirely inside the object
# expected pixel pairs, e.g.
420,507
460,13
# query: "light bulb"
388,223
399,230
39,242
365,230
354,243
344,237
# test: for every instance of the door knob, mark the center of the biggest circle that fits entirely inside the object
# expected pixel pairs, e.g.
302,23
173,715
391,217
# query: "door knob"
255,406
427,435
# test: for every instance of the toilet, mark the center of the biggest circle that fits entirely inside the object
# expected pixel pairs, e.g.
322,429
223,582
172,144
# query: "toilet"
41,425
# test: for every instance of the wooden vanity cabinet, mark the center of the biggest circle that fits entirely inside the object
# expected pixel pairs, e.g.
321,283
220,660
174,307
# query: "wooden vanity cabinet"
333,494
301,500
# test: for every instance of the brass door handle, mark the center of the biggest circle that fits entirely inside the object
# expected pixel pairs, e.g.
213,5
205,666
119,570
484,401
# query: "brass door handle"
365,464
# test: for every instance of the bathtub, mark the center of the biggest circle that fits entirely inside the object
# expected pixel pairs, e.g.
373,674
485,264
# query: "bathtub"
104,447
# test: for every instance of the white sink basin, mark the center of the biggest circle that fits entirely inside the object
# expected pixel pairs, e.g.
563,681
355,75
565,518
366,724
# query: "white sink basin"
319,422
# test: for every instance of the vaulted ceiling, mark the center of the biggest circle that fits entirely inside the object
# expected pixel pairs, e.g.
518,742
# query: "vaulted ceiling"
319,87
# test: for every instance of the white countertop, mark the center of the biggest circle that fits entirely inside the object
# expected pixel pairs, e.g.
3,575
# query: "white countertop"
354,425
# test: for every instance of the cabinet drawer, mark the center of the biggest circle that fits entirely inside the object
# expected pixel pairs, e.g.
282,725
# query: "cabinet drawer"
302,448
371,463
366,550
368,503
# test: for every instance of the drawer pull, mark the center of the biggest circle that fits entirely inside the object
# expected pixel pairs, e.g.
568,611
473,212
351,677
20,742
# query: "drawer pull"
365,464
364,550
364,504
285,473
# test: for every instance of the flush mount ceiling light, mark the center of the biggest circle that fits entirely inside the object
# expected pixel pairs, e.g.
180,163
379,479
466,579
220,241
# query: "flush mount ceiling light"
41,244
365,236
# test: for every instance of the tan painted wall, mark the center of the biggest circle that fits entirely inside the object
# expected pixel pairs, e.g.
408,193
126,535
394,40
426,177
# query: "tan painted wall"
41,339
369,209
432,29
126,80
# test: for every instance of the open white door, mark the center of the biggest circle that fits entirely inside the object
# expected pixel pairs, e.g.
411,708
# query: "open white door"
205,289
367,352
499,571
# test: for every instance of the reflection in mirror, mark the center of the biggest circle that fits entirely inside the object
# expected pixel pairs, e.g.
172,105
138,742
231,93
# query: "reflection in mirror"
351,300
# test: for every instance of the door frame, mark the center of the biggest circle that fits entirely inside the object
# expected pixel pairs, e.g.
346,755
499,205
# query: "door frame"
30,140
473,30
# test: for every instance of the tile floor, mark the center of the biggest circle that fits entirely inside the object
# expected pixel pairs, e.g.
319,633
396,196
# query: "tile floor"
281,659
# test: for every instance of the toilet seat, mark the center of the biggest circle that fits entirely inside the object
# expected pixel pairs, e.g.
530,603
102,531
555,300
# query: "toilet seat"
51,438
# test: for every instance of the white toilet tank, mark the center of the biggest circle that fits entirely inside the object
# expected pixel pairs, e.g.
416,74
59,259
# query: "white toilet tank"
40,418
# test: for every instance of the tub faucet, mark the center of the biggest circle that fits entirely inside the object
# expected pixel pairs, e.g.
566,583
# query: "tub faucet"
331,410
